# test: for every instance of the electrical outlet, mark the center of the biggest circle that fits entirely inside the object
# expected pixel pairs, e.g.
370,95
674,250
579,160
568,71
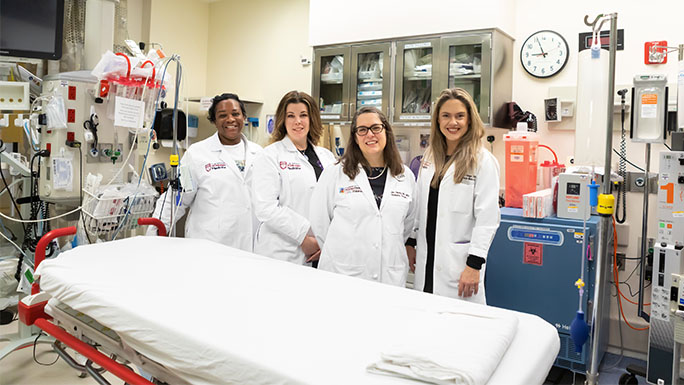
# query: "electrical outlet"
620,261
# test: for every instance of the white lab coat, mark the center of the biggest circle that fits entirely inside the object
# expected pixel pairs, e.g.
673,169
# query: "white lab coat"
282,183
357,238
219,208
467,219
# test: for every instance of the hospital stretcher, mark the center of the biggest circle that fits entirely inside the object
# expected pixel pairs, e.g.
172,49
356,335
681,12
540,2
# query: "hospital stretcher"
196,312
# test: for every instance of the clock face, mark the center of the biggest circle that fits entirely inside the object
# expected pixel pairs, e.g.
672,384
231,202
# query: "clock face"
544,54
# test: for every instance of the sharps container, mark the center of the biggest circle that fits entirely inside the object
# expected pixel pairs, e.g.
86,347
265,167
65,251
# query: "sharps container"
520,165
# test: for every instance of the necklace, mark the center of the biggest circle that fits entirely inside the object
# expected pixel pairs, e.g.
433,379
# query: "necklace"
379,175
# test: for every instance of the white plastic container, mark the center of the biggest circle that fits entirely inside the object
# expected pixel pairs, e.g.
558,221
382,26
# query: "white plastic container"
592,101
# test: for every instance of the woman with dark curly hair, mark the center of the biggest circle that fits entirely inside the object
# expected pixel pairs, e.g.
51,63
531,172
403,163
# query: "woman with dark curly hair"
219,203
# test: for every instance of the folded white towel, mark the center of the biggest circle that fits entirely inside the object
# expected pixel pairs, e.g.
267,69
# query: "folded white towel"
468,354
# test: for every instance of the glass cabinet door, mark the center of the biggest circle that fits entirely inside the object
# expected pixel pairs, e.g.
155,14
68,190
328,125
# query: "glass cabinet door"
466,63
370,77
331,83
414,91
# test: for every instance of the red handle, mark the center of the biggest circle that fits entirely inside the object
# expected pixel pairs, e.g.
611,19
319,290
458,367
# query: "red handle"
161,229
43,243
154,70
128,74
555,157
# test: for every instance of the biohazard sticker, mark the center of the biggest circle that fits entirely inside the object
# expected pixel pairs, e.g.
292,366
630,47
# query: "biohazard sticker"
532,254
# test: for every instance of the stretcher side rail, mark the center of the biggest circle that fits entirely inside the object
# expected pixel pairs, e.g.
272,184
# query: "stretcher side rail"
35,314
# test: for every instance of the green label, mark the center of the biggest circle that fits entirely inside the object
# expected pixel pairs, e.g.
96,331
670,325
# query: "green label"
29,276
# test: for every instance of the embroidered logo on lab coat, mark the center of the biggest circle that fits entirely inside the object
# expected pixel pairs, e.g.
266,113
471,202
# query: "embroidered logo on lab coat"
426,164
290,166
214,166
350,189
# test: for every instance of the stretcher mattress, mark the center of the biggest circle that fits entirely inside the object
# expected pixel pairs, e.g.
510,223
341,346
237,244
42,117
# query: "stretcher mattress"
213,314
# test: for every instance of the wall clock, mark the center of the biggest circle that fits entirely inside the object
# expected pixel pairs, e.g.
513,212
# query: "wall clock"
544,54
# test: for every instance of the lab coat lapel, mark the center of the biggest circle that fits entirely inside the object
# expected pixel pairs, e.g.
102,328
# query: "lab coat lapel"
390,185
290,146
449,174
362,181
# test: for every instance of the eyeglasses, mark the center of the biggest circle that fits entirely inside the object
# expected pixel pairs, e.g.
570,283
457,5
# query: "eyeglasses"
376,129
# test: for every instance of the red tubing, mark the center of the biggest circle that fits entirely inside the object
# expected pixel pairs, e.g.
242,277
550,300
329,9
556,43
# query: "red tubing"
161,229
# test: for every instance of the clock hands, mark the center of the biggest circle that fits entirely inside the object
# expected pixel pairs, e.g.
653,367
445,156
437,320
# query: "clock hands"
540,48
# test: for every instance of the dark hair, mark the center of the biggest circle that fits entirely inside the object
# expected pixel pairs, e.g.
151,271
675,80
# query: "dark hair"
219,98
315,126
353,156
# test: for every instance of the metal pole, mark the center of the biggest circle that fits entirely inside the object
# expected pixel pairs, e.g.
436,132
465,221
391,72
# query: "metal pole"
174,191
676,354
644,239
603,256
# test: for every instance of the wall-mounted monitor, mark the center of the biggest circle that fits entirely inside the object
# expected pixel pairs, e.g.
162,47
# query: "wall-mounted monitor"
31,28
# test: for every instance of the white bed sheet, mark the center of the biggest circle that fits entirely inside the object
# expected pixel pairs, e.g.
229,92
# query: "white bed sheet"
201,320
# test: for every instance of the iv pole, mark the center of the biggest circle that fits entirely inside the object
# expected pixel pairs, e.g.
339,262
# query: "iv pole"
605,223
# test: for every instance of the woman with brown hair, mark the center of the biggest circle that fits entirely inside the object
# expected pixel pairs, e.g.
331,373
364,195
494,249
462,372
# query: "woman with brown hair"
284,176
362,209
457,194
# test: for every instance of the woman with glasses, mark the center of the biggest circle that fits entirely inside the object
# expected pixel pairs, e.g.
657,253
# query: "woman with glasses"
457,194
284,176
362,209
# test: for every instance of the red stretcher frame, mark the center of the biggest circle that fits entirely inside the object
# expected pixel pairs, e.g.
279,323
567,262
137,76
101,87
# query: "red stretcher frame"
35,314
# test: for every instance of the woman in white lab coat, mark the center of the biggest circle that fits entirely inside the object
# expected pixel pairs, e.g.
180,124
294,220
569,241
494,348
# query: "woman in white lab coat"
362,211
457,194
218,202
285,174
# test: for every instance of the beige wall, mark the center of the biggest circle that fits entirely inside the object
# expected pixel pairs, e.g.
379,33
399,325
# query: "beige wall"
254,51
181,27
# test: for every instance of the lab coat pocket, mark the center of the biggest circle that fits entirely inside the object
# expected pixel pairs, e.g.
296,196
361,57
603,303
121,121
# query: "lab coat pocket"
393,216
458,253
347,269
462,198
396,275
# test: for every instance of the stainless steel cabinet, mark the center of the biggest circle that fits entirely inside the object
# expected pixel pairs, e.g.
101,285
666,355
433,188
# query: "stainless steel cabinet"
404,77
481,63
414,86
370,78
331,82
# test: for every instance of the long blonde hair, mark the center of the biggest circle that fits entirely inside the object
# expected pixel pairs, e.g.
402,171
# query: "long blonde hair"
468,147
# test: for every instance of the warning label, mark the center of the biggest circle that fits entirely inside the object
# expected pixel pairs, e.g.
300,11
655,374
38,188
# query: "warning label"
532,253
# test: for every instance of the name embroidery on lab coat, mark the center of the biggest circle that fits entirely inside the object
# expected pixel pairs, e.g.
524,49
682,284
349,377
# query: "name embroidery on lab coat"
469,178
290,166
214,166
350,189
400,194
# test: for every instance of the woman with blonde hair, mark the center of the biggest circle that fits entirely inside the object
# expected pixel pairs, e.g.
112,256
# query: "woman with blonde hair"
362,209
284,176
457,196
